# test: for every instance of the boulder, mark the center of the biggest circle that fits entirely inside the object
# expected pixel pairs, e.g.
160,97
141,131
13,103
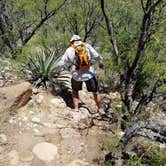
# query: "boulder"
45,154
15,96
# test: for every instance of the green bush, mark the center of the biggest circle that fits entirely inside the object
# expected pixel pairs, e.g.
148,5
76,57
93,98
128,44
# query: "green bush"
151,156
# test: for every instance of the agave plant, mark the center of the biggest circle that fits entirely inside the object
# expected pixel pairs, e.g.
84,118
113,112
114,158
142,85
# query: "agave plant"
41,70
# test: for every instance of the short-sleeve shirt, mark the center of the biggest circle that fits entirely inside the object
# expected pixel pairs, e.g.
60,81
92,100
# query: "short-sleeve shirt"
68,59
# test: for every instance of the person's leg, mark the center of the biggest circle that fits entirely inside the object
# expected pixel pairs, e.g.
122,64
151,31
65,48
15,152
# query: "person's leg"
76,86
97,99
75,98
99,103
93,86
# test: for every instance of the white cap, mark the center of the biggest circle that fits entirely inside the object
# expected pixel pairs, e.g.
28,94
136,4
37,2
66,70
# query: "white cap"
75,38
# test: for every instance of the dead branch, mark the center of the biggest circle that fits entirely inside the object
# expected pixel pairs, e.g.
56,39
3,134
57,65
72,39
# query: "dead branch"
143,39
151,136
43,20
110,30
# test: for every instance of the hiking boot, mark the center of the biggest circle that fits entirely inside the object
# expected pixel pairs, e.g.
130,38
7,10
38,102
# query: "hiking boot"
74,110
101,110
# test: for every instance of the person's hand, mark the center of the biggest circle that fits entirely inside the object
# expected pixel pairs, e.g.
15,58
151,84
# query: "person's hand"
101,65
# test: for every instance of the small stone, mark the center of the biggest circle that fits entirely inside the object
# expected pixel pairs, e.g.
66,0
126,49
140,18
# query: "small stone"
25,118
3,138
47,124
35,120
35,90
82,144
20,132
11,121
35,125
69,152
36,130
19,118
31,112
56,101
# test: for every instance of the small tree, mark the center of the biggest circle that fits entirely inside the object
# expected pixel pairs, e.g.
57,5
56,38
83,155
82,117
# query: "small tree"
20,20
136,83
82,17
141,69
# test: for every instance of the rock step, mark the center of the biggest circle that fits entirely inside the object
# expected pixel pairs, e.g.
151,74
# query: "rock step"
45,154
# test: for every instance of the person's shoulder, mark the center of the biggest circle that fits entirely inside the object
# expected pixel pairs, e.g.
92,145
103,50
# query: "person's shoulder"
69,50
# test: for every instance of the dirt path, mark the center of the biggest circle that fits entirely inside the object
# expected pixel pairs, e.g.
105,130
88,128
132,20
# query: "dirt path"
46,118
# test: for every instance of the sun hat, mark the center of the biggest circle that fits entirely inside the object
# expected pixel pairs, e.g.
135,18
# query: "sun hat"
75,38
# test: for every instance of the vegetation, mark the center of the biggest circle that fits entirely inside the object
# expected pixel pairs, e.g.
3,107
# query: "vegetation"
40,70
129,34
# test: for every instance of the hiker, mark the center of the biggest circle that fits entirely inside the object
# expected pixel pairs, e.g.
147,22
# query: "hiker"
80,57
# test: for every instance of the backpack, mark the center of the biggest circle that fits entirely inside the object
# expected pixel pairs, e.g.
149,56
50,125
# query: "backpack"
82,57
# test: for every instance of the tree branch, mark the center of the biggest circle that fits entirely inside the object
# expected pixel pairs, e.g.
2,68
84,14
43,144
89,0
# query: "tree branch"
42,21
92,19
110,31
143,7
146,98
145,27
151,136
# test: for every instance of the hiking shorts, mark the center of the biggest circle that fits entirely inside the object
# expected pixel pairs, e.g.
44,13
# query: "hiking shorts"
91,85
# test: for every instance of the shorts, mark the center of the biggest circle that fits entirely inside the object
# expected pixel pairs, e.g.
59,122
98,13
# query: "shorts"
91,85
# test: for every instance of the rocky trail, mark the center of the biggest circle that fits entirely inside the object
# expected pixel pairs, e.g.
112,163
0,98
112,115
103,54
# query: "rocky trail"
43,131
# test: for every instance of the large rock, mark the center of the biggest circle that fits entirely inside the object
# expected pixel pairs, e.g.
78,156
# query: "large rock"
45,154
15,96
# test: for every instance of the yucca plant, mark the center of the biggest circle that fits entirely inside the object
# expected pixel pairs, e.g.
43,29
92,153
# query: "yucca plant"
41,69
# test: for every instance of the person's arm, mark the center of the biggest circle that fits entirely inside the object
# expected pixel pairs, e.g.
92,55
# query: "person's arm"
65,61
96,56
61,63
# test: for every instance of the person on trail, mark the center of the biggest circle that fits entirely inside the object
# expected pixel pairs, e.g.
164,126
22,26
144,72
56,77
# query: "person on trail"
81,56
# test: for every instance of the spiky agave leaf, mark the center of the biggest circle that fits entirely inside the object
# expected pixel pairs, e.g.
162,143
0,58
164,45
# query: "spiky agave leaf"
62,80
41,69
